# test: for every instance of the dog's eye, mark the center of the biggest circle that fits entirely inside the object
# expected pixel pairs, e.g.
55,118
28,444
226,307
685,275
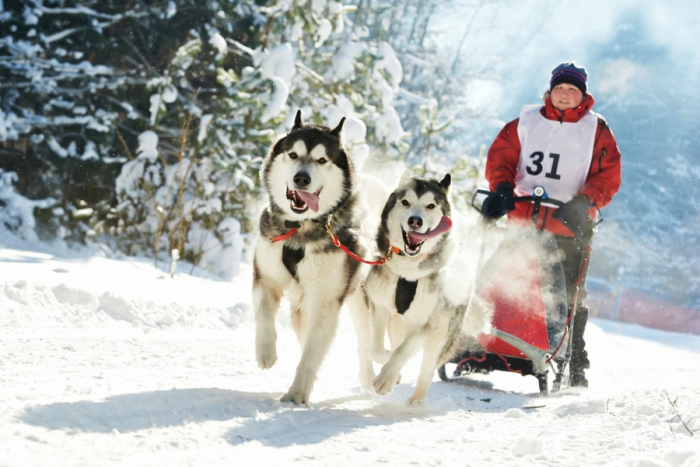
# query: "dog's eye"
292,155
405,202
430,206
322,161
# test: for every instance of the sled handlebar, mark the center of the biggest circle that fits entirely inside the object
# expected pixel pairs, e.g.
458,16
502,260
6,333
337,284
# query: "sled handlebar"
536,198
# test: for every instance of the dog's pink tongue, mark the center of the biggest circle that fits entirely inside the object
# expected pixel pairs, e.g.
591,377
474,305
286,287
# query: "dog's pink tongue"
311,199
444,225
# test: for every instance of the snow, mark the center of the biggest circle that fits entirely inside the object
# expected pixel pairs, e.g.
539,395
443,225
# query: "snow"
16,211
148,146
169,94
203,126
277,62
219,43
275,100
155,107
388,126
325,28
171,10
390,64
343,62
106,360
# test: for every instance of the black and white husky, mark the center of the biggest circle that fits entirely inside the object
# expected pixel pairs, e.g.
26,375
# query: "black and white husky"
309,176
408,295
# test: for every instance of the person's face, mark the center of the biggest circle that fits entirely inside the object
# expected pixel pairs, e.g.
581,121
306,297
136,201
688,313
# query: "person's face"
566,96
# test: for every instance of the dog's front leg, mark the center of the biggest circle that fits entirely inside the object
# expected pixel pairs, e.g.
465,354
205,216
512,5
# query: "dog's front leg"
431,353
359,310
323,321
379,315
385,381
267,293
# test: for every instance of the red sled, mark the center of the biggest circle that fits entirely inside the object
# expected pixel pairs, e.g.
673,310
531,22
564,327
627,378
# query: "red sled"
523,280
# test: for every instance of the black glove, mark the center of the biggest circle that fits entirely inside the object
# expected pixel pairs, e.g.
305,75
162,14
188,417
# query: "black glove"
500,202
574,215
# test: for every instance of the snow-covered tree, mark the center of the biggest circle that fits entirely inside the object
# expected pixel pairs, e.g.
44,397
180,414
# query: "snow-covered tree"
87,85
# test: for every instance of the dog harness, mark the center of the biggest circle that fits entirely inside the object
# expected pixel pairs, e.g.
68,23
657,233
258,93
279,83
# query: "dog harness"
405,292
291,257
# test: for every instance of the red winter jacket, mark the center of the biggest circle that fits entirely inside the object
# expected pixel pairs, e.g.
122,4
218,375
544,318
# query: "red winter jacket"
603,178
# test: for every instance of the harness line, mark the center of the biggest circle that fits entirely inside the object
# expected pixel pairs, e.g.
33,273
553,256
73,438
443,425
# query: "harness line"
336,242
392,249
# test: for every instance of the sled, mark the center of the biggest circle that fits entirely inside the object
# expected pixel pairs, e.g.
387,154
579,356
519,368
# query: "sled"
532,326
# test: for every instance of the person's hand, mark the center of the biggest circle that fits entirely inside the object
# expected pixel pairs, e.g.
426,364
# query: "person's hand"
574,215
499,203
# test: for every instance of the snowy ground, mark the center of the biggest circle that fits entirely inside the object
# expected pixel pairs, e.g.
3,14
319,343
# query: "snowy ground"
112,362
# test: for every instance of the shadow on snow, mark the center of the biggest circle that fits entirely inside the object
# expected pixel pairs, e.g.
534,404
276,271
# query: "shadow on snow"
260,416
264,418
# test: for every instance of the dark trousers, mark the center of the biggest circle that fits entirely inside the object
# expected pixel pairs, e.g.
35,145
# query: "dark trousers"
573,255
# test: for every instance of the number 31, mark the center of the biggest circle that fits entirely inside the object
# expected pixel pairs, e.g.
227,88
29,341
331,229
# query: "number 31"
535,168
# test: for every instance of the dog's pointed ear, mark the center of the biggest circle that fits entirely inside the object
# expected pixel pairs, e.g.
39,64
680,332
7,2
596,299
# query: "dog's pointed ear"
297,121
446,181
404,177
339,131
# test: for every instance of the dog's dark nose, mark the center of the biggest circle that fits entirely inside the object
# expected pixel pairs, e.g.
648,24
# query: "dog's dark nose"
415,222
302,179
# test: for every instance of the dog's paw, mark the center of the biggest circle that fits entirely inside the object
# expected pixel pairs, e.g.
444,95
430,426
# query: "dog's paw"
366,377
295,398
415,401
266,355
385,382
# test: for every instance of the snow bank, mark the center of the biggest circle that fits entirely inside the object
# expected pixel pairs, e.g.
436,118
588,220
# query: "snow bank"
84,295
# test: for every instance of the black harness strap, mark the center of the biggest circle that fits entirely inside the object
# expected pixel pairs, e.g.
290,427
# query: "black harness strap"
405,292
291,257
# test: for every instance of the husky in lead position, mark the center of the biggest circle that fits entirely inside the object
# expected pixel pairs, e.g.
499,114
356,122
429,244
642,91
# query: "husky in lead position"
310,181
407,294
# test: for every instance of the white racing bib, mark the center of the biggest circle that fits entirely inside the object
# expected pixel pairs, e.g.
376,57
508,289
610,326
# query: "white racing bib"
556,156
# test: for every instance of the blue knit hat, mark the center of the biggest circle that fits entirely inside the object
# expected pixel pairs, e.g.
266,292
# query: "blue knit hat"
571,74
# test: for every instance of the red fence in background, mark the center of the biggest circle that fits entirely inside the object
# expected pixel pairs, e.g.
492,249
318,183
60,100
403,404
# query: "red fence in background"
632,306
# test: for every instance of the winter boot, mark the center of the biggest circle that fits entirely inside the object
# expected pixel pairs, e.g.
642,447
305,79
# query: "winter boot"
579,356
578,380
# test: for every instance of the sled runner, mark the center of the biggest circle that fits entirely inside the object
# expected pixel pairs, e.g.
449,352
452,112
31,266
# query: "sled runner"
532,326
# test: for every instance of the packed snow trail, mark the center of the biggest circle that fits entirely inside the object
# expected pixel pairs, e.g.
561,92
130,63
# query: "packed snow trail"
110,362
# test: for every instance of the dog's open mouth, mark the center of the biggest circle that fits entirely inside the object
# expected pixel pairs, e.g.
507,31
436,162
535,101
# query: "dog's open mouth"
301,200
414,240
410,248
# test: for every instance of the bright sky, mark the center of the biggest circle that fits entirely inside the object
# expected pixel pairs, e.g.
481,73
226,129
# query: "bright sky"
533,36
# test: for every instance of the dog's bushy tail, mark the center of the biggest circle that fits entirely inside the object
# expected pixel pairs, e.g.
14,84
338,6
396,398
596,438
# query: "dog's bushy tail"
477,319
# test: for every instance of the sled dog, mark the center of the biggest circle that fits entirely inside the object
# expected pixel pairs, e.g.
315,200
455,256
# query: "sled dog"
310,182
407,294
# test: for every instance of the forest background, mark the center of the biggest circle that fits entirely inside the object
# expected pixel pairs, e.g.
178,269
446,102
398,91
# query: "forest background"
142,124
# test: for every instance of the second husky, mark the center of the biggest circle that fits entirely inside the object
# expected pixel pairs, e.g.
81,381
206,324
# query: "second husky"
407,294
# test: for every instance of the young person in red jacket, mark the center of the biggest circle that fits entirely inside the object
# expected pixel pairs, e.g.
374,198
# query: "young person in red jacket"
565,148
